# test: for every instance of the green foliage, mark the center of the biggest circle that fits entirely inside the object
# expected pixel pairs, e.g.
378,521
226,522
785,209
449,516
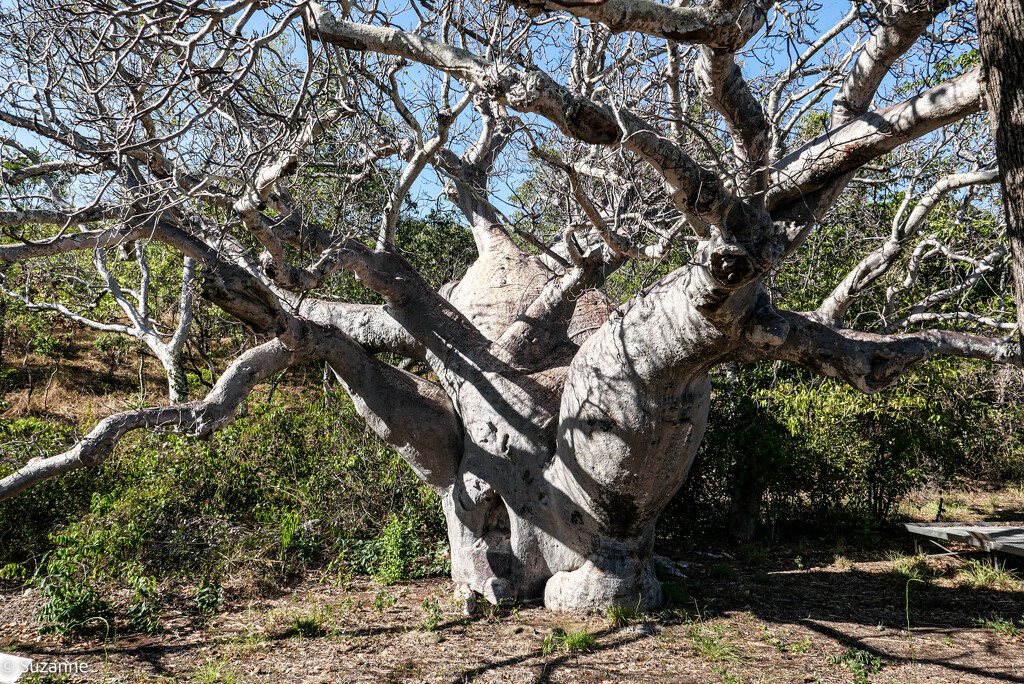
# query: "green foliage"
818,451
209,596
27,520
277,492
708,642
860,663
113,349
1001,625
910,568
217,671
401,551
621,616
437,245
802,646
306,626
579,641
431,614
71,599
144,611
383,600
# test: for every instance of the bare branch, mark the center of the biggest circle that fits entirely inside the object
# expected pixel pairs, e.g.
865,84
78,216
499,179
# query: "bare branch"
867,361
835,153
901,25
881,260
199,417
696,25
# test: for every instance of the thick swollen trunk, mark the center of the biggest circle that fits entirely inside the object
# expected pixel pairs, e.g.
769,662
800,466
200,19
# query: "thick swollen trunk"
559,502
1001,33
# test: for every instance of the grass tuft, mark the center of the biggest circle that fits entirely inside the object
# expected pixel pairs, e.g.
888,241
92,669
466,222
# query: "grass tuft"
708,642
579,641
215,672
982,575
622,616
907,568
306,626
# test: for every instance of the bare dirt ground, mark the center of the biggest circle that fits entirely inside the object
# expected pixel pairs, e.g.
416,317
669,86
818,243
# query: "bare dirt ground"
758,619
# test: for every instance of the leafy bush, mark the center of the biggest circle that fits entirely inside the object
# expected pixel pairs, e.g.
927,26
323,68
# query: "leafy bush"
278,492
27,520
788,449
71,598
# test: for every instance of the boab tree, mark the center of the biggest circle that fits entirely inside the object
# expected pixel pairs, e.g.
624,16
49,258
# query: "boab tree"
554,423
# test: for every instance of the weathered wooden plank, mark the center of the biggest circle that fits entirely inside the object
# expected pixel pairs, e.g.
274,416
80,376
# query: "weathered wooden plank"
1005,537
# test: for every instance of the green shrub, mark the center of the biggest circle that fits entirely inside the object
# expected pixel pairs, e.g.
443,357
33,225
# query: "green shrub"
799,451
279,491
71,600
209,596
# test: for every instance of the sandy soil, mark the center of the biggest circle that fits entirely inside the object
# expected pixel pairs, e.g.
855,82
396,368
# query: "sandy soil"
758,621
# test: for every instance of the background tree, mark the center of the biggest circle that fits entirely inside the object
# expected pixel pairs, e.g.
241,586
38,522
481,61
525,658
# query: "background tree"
554,424
1002,48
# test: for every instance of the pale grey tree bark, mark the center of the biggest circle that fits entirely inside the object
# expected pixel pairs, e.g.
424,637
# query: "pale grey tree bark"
556,425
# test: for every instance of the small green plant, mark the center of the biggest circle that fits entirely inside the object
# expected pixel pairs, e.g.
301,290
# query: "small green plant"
982,575
861,664
383,600
1000,625
947,642
209,596
621,616
552,642
799,562
432,614
708,642
802,646
770,639
144,611
578,641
